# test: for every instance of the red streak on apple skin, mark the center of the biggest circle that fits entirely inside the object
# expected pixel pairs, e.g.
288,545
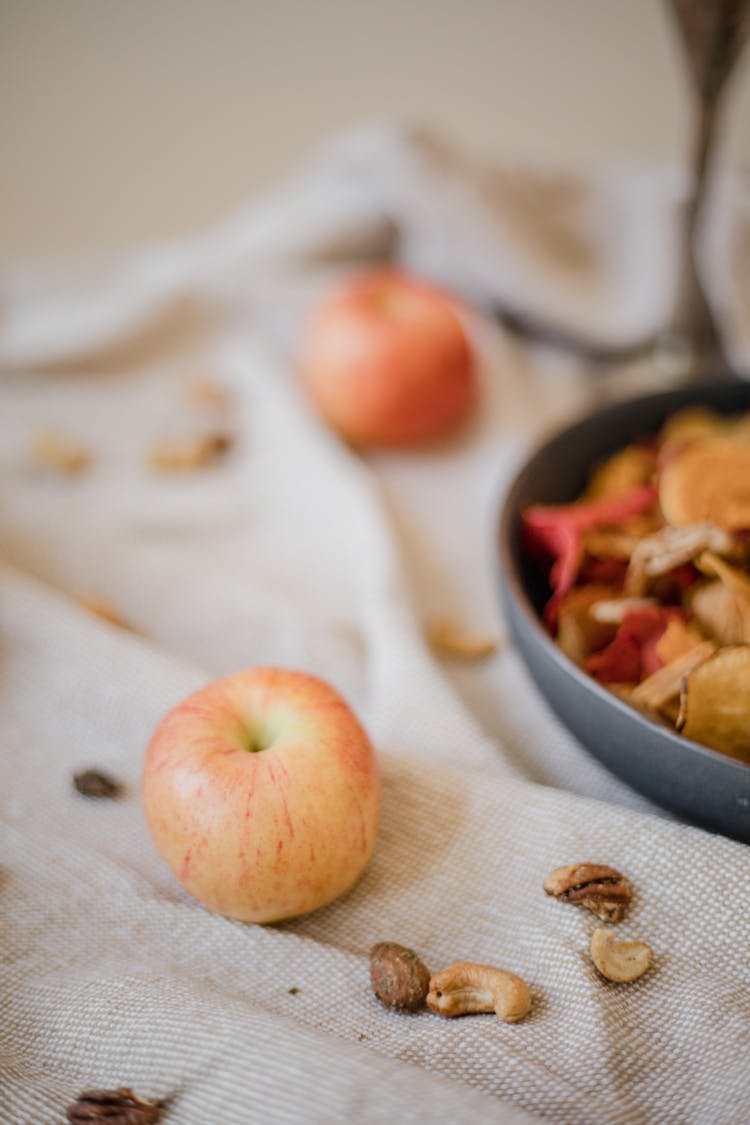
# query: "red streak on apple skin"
250,796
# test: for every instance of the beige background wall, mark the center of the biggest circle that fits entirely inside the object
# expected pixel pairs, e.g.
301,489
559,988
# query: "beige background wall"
126,120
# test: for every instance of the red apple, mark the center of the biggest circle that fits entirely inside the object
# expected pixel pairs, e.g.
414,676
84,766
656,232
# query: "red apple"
387,362
262,792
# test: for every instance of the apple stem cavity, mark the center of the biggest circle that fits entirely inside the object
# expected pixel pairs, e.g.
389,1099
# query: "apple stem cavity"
260,736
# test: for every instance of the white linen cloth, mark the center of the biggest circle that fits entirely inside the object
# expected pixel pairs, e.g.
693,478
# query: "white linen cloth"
296,551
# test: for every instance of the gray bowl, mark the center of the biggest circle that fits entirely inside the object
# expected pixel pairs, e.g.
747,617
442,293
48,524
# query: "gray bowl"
700,785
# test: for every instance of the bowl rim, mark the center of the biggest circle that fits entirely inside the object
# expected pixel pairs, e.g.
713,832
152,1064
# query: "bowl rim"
510,574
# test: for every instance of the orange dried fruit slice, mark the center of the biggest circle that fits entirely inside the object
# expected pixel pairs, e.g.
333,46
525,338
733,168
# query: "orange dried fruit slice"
690,424
664,685
715,706
578,631
708,480
715,612
676,640
630,467
736,606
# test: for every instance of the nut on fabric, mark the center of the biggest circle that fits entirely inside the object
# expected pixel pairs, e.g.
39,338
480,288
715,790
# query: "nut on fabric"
115,1107
399,979
466,988
447,639
596,886
96,783
619,961
193,452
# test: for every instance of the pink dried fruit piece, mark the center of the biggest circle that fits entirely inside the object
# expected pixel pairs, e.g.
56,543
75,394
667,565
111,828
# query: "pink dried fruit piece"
633,653
557,531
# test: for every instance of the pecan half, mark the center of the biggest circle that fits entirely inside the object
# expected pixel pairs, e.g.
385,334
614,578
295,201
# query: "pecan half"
601,889
115,1107
94,783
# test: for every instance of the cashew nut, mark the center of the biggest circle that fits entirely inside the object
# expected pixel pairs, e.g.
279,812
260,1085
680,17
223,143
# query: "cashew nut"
464,987
620,961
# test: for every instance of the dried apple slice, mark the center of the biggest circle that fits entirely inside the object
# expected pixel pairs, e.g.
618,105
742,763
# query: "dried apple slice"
556,531
669,548
629,468
734,579
631,654
690,424
715,705
677,639
579,632
715,611
664,685
708,480
737,583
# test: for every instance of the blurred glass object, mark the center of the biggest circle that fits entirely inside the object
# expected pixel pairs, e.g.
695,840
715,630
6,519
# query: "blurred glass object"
712,33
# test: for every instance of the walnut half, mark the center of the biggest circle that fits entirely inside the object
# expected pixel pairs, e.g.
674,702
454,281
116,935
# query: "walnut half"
116,1107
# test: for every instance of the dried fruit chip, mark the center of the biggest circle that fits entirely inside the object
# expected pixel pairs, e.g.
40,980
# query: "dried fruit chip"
669,549
690,424
664,685
708,480
627,469
632,654
644,593
716,613
557,531
579,632
677,640
715,707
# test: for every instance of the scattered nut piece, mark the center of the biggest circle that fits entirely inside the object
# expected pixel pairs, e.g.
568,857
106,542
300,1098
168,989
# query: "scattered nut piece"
601,889
189,453
466,988
447,639
116,1107
59,454
399,978
619,961
206,392
102,609
94,783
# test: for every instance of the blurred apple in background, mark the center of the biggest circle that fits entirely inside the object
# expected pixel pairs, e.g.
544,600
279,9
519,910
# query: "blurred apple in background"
262,794
387,362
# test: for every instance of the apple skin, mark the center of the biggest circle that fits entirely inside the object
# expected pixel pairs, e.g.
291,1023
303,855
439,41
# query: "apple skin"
387,362
262,793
